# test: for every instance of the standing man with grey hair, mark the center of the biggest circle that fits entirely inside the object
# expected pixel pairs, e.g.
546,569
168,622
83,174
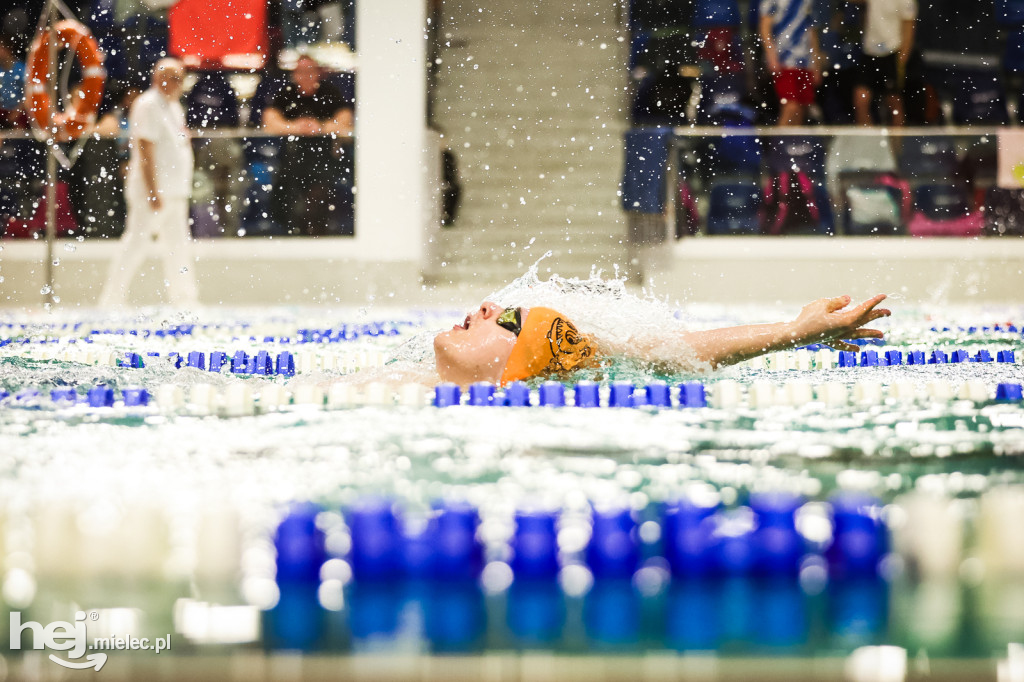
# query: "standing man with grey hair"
157,192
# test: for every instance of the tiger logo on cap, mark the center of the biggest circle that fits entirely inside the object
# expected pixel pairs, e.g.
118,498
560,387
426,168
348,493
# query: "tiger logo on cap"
568,347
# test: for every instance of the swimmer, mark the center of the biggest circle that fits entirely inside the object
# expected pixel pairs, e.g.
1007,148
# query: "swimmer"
501,345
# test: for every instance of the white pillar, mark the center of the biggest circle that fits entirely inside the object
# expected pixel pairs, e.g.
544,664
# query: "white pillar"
391,81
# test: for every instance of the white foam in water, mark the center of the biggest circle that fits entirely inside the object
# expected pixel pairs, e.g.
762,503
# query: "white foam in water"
620,322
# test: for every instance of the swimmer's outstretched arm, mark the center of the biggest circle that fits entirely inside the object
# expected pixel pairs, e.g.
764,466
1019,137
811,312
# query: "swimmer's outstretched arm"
822,321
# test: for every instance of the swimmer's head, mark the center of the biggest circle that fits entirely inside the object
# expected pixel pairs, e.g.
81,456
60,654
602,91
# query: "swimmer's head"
476,350
501,345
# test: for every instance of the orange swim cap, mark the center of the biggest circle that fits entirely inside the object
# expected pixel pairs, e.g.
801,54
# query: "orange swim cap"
548,343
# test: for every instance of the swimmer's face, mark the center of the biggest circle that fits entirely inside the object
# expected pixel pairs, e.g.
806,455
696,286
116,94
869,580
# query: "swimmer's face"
476,350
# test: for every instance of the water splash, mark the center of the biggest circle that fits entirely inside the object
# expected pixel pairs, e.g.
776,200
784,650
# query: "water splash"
642,335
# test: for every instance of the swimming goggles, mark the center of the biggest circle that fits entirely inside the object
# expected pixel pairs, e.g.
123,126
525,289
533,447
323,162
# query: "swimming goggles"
512,320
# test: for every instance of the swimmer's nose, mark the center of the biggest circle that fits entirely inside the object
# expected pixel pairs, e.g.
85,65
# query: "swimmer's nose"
489,310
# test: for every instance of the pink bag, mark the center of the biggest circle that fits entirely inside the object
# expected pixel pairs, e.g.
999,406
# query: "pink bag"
944,210
964,226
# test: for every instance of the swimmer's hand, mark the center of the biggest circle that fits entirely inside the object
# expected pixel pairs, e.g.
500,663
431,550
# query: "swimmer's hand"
826,321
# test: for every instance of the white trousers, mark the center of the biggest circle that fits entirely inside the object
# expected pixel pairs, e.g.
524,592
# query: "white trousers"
163,234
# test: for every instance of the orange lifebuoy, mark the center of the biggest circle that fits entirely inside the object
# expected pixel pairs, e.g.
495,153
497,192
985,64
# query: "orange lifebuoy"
81,113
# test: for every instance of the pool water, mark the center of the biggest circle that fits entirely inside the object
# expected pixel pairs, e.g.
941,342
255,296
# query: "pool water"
167,511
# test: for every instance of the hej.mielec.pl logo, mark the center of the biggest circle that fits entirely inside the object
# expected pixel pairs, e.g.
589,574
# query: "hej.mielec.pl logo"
73,638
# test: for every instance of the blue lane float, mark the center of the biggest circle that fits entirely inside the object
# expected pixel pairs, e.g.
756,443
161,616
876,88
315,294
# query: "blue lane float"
689,539
481,394
218,360
377,548
658,394
587,394
869,358
551,394
700,539
916,357
239,362
778,546
447,395
1008,392
517,394
620,394
64,395
959,356
135,397
692,395
614,549
284,364
100,396
263,364
299,544
859,538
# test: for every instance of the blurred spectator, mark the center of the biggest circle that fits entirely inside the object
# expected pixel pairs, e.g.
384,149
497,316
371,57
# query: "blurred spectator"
273,78
841,35
12,77
311,109
114,122
97,178
792,54
888,42
157,191
210,104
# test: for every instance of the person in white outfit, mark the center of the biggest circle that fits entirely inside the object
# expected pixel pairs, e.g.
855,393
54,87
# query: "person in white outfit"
157,192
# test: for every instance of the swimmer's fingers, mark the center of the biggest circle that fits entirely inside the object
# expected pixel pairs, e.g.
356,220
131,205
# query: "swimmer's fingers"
863,333
843,345
837,303
870,316
867,305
